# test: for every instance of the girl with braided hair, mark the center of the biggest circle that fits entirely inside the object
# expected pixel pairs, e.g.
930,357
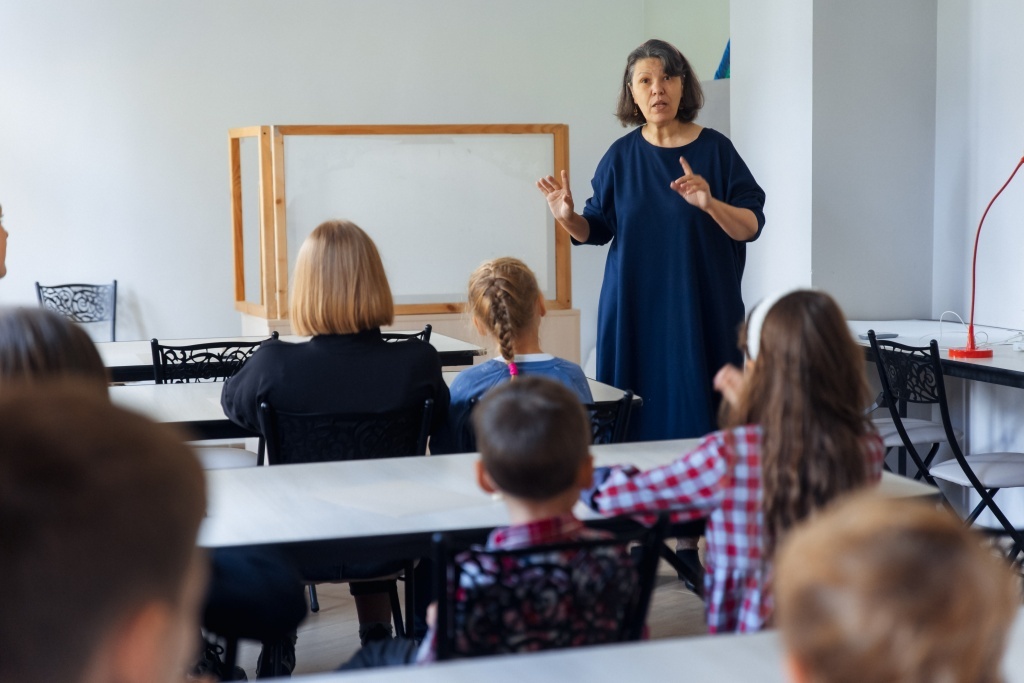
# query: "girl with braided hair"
507,305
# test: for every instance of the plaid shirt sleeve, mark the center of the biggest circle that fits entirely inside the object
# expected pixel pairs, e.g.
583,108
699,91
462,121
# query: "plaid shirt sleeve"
691,486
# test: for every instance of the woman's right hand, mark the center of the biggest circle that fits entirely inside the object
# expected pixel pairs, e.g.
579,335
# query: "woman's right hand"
729,382
559,198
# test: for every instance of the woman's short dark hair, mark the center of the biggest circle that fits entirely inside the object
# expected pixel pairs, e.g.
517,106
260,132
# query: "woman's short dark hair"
675,64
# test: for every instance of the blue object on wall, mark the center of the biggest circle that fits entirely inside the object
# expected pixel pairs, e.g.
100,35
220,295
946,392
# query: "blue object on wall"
723,66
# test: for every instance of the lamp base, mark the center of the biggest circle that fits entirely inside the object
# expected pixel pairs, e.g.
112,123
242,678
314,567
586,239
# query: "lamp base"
970,352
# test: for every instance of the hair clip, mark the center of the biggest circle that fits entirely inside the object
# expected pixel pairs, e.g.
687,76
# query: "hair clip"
512,369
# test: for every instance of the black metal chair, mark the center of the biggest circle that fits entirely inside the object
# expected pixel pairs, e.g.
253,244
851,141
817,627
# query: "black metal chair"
545,597
899,431
82,303
327,437
609,421
906,378
914,374
422,335
206,362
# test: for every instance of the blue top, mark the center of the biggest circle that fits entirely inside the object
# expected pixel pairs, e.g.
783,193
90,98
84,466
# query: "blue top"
472,383
670,303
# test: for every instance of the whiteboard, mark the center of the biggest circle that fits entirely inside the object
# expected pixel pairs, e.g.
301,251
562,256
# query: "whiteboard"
436,205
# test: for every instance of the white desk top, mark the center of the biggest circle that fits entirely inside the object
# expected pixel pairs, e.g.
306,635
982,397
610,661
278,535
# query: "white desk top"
722,659
188,403
948,334
372,498
200,402
133,353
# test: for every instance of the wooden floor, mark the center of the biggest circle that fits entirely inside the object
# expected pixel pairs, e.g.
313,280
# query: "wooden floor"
330,637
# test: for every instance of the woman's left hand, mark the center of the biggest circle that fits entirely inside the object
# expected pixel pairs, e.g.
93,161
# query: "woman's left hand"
692,187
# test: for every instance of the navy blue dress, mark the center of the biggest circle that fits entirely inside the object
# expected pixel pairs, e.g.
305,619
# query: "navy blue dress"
670,304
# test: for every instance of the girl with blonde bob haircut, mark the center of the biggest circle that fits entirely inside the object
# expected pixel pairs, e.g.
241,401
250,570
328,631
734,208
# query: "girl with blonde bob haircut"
893,591
340,297
339,285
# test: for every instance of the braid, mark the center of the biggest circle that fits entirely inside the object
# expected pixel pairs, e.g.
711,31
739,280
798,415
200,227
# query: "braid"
502,296
501,324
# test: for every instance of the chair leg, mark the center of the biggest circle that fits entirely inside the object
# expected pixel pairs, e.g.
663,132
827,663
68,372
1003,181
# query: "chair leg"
697,581
230,653
410,598
396,609
314,604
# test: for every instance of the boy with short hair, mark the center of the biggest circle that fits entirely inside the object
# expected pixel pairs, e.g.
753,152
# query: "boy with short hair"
100,578
534,441
892,590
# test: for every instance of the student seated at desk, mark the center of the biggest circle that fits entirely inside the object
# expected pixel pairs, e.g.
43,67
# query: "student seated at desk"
99,511
892,590
796,438
533,436
508,306
340,296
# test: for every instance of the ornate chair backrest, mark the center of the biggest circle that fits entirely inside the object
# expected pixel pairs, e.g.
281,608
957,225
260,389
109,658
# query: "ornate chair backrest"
326,437
208,362
609,421
546,597
422,335
82,303
906,372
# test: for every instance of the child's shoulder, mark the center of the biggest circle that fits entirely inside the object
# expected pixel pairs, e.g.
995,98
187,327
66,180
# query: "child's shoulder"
743,439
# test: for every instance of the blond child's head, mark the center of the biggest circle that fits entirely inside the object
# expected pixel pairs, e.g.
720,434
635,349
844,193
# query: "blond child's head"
894,591
534,438
505,302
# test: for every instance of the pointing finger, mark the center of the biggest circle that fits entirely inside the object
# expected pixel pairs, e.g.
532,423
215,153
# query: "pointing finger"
686,167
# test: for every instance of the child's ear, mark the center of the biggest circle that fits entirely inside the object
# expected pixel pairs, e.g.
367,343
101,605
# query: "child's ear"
483,480
585,476
479,327
542,307
796,672
137,645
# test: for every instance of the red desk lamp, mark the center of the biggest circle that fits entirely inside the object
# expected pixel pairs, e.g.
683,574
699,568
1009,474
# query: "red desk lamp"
971,350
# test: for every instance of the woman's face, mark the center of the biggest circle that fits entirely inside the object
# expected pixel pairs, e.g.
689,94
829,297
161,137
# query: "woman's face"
656,93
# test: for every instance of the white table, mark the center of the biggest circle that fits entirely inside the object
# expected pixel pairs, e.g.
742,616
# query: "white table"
1006,367
196,407
722,659
132,361
392,505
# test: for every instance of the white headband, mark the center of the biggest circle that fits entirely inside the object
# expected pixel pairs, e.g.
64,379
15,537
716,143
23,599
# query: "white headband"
756,321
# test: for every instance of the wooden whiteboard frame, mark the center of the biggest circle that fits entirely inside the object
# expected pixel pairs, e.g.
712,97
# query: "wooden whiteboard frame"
273,208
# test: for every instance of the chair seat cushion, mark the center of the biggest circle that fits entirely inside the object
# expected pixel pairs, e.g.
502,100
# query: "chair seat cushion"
919,431
215,458
994,470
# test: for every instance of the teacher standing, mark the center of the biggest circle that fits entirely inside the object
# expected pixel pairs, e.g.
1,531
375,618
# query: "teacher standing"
678,205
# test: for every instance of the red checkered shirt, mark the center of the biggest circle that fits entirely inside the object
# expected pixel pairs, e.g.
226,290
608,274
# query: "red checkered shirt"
720,481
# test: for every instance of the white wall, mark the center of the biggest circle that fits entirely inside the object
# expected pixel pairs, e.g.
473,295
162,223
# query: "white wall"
771,102
113,129
873,151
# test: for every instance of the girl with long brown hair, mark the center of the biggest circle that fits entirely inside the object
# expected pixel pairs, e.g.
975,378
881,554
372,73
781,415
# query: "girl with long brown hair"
506,305
794,438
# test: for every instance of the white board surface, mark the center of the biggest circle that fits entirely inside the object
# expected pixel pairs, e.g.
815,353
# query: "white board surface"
436,205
